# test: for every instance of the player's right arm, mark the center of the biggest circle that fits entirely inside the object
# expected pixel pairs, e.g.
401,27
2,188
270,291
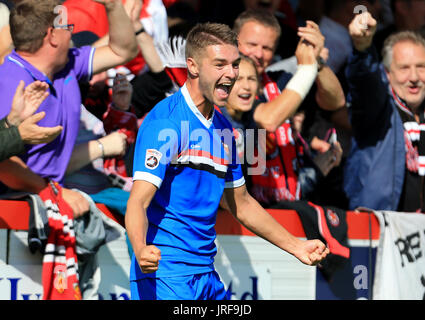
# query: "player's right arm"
136,224
156,146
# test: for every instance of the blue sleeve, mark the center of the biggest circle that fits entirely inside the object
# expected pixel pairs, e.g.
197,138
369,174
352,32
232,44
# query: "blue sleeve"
157,145
234,176
368,90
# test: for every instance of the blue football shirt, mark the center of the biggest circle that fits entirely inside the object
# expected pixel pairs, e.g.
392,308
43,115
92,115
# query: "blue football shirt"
190,160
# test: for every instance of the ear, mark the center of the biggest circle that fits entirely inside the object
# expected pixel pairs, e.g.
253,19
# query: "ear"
192,67
51,37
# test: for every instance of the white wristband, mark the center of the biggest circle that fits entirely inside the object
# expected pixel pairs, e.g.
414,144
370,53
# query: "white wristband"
303,79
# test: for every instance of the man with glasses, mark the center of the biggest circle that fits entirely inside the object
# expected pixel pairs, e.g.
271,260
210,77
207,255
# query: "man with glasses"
42,52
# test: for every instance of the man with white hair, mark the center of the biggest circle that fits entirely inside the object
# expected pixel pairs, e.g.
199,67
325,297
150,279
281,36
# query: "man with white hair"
5,39
386,168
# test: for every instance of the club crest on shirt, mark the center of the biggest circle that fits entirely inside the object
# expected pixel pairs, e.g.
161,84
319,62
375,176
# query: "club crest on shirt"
333,217
152,158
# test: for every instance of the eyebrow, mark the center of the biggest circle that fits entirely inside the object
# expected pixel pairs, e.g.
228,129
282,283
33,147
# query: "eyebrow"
238,60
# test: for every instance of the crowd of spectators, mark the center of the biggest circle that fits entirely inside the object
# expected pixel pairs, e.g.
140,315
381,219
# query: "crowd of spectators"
348,135
111,100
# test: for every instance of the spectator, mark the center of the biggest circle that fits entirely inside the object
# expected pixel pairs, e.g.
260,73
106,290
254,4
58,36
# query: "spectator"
385,168
19,126
238,111
150,86
227,11
47,57
258,34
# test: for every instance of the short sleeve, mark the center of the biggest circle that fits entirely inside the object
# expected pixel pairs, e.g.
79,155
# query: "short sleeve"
82,62
234,176
157,145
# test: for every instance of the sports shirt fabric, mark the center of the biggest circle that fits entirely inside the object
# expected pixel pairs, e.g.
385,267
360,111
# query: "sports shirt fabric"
190,160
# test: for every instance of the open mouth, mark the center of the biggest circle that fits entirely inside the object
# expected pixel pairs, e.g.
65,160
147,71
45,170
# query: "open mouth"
245,97
224,89
414,89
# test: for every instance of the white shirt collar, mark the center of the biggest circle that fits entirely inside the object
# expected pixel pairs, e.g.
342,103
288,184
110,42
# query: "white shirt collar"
195,110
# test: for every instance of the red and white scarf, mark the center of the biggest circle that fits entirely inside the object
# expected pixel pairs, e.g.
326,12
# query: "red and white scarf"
60,265
414,135
125,122
280,180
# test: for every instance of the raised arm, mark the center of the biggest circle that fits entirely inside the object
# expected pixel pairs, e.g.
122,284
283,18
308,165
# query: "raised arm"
270,115
364,76
251,215
329,95
122,45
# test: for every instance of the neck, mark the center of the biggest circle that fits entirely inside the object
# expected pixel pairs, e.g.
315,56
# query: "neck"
39,61
204,106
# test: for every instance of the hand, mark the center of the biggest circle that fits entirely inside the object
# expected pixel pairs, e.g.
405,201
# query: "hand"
305,53
31,133
362,29
311,33
26,101
148,259
122,91
329,159
76,201
133,9
319,145
114,144
311,252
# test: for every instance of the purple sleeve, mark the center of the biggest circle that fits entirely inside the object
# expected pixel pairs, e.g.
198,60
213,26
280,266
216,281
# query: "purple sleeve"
8,87
82,62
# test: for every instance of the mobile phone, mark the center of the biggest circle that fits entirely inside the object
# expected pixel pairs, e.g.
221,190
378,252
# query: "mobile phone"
331,136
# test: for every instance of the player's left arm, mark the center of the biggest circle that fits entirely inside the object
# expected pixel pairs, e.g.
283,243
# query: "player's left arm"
253,216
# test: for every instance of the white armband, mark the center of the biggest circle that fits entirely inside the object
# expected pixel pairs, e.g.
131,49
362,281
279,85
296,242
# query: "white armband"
303,79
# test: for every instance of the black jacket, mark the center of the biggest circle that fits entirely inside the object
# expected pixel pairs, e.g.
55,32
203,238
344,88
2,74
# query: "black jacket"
11,143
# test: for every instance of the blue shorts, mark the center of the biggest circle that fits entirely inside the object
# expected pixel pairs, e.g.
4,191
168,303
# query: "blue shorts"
204,286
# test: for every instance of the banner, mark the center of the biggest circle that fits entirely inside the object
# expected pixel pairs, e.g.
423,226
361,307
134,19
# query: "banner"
400,261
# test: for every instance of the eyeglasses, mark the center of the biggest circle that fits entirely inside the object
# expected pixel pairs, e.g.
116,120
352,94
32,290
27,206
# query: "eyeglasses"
69,27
